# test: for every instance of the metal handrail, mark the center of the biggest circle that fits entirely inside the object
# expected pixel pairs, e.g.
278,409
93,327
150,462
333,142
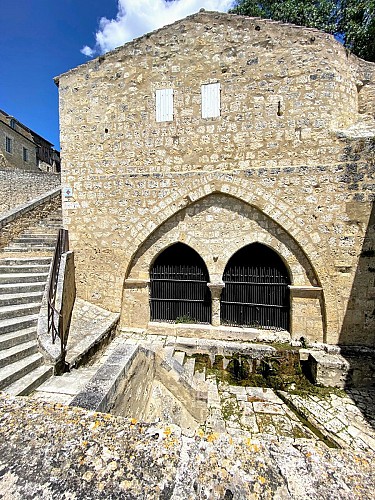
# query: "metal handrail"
62,246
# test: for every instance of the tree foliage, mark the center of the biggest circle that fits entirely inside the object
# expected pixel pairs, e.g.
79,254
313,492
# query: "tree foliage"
352,21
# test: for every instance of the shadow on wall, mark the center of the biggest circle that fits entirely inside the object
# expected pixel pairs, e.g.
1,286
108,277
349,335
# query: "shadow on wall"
357,338
358,326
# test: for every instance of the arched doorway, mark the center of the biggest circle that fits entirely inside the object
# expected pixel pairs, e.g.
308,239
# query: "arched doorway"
178,288
256,292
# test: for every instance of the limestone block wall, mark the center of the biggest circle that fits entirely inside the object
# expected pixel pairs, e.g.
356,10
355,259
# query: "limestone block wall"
133,391
275,166
19,187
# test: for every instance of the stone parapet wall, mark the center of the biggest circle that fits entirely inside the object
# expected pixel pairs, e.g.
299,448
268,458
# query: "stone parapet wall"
17,221
19,187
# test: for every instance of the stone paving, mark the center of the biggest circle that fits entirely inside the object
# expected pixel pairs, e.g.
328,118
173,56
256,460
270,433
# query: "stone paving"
257,411
341,417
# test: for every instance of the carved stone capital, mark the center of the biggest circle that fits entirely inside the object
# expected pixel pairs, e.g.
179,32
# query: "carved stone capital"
216,289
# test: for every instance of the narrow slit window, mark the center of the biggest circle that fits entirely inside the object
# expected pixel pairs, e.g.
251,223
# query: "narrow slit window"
164,105
210,100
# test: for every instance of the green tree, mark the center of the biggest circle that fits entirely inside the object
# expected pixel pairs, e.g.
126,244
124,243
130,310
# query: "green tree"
352,21
356,21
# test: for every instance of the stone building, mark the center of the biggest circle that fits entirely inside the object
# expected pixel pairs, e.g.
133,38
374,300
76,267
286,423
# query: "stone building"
22,148
220,172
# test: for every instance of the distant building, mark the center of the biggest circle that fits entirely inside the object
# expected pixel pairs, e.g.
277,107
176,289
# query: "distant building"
23,148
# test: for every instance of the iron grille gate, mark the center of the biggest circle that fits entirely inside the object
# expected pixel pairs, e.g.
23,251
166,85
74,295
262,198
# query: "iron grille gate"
255,296
180,293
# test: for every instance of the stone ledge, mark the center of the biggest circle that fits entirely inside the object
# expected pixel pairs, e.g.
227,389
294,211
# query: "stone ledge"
216,332
101,388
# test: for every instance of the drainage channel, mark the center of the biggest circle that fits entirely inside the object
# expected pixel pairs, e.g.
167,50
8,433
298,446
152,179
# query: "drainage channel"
324,437
280,371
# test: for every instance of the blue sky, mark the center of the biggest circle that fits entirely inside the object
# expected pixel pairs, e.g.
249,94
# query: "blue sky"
40,39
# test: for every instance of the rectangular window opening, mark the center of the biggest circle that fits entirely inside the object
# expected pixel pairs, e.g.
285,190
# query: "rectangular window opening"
25,154
8,145
210,94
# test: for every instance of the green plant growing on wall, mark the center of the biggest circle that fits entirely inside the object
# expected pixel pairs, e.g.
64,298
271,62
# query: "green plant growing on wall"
186,318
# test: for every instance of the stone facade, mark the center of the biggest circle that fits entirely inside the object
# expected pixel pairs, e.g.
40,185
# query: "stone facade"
18,149
289,163
24,149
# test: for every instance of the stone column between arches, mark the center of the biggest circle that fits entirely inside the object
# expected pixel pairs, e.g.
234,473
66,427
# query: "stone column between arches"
215,289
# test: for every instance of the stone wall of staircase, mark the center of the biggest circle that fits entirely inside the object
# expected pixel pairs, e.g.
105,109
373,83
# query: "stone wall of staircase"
19,187
23,221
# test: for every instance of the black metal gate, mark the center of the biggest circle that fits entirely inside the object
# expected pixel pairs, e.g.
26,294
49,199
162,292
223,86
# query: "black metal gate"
256,292
179,291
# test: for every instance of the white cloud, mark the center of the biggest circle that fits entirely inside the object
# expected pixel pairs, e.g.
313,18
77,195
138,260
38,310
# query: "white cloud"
137,17
87,51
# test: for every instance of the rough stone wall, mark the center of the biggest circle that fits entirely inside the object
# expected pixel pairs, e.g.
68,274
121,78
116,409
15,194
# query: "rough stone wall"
134,389
279,152
19,187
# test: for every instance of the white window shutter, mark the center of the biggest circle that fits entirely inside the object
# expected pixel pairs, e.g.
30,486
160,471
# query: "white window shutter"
210,100
164,105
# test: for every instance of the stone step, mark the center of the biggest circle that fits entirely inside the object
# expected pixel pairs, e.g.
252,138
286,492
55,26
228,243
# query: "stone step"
16,261
37,240
10,299
28,248
36,236
14,324
28,383
51,222
51,226
23,277
200,376
24,268
13,372
17,337
12,288
189,368
40,233
19,310
179,356
18,352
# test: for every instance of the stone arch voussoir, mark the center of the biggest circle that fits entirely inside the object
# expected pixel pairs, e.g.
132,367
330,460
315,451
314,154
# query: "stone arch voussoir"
277,210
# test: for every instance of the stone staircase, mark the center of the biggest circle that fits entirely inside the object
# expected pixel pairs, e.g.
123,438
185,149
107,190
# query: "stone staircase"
202,386
24,267
39,238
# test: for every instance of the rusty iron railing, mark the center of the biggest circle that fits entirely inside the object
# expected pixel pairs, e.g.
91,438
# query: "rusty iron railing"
62,246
